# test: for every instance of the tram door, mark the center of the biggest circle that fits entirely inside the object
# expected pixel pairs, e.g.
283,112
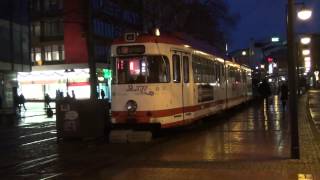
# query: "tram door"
181,79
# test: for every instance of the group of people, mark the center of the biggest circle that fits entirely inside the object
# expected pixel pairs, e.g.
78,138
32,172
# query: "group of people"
265,92
59,95
20,100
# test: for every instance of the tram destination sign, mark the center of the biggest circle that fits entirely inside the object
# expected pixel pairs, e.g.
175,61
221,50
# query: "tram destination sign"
136,49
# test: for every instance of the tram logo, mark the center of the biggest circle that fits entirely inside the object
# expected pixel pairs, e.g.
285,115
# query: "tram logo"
140,89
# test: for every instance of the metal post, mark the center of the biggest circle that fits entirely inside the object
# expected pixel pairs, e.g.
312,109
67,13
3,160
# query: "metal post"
91,58
292,76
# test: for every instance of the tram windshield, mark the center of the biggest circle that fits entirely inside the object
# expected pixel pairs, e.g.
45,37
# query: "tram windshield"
141,69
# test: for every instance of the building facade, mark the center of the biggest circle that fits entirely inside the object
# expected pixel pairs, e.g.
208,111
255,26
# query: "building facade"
14,47
60,32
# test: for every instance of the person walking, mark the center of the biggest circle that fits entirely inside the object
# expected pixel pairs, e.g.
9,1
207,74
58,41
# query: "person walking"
47,101
284,95
265,90
102,94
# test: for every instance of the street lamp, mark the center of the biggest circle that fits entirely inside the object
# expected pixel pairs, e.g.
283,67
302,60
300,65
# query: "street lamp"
292,72
304,14
305,40
307,58
306,52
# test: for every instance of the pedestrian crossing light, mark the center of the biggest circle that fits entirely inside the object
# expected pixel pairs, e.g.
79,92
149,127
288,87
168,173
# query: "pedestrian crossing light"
107,73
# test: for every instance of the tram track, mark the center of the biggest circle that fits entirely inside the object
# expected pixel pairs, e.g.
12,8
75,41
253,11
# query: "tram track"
38,126
32,166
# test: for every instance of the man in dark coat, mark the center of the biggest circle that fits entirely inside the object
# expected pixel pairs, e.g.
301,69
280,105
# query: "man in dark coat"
265,90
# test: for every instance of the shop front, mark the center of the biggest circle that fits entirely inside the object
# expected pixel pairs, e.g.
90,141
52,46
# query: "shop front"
36,84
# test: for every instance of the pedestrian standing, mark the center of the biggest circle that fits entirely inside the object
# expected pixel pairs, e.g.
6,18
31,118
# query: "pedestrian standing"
22,101
284,95
58,95
265,90
68,96
47,100
102,94
73,94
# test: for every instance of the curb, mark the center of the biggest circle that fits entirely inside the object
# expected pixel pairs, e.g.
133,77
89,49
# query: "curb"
314,128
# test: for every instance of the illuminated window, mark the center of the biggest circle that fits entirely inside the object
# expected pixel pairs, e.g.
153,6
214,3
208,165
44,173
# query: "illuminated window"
48,53
55,53
35,54
52,53
61,52
134,67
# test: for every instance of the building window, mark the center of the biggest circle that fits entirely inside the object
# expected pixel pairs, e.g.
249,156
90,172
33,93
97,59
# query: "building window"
35,29
61,52
53,28
48,53
35,54
55,53
35,5
105,29
50,5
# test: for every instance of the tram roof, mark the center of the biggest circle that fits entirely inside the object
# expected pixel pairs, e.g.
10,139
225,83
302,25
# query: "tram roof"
176,39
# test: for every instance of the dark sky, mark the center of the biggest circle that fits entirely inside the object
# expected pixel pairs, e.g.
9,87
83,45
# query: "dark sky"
262,19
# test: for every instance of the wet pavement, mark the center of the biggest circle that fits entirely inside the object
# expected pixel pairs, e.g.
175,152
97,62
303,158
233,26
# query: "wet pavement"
251,142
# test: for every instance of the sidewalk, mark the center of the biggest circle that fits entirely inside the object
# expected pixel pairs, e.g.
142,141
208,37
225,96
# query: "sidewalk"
34,113
306,168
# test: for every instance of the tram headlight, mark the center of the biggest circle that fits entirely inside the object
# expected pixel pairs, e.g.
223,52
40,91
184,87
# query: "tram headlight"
131,106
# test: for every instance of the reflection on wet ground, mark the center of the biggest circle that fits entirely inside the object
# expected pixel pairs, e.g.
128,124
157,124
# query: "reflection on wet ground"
35,113
259,131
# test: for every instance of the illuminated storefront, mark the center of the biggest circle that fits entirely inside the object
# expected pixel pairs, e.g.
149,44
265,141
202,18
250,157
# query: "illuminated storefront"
36,84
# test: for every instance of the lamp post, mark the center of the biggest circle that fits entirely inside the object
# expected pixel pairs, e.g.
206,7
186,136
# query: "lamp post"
91,58
292,77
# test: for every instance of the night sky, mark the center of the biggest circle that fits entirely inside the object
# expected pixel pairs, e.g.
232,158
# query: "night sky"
261,19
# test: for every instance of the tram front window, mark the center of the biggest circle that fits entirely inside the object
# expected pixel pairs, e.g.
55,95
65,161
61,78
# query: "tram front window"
142,69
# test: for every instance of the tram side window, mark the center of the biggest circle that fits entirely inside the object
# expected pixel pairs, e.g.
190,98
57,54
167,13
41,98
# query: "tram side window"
237,75
230,73
196,69
176,68
219,73
244,76
223,70
185,69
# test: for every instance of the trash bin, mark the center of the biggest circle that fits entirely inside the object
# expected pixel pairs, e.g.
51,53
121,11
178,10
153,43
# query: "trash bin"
81,118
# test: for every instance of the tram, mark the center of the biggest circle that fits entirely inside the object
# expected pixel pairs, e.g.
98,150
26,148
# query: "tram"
165,82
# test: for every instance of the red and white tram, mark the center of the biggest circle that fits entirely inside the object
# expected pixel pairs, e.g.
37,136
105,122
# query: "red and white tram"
167,82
